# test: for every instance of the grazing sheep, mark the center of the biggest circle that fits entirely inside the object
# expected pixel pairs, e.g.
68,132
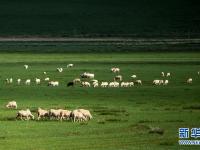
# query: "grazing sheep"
139,82
86,113
168,74
95,84
118,78
12,104
104,84
156,82
59,69
42,113
24,114
189,81
94,80
71,83
53,83
26,66
46,79
134,76
166,82
85,84
162,74
77,80
28,82
44,72
114,84
18,81
37,81
55,113
9,81
77,116
115,70
70,65
87,75
65,114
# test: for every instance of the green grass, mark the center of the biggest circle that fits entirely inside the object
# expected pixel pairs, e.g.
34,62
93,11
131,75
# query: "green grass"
122,116
95,18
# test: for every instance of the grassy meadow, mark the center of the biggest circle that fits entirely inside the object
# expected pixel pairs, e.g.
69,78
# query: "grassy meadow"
122,116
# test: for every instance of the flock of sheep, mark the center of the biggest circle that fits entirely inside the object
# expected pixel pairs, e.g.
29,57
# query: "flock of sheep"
87,79
78,115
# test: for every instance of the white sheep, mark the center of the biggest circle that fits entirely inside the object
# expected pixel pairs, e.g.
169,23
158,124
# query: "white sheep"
189,81
26,66
37,81
70,65
60,69
44,72
55,113
53,83
24,114
18,81
85,84
77,116
118,78
139,82
114,69
162,74
166,82
28,82
95,84
77,80
46,79
134,76
87,75
168,74
104,84
42,113
65,114
86,113
12,104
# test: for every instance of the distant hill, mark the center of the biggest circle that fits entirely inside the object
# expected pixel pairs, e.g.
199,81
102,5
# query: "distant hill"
100,18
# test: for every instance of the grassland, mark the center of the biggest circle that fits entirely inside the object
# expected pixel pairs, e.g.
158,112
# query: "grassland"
122,116
94,18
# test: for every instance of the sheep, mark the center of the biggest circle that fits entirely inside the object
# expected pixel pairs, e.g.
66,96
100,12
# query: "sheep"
118,78
87,75
70,65
26,67
124,84
76,115
114,69
59,69
55,113
104,84
18,81
162,74
85,84
37,81
114,84
139,82
95,84
71,83
86,113
28,82
46,79
44,72
42,113
53,83
166,82
134,76
77,80
65,114
131,84
156,82
94,80
9,81
189,81
168,74
24,114
12,104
